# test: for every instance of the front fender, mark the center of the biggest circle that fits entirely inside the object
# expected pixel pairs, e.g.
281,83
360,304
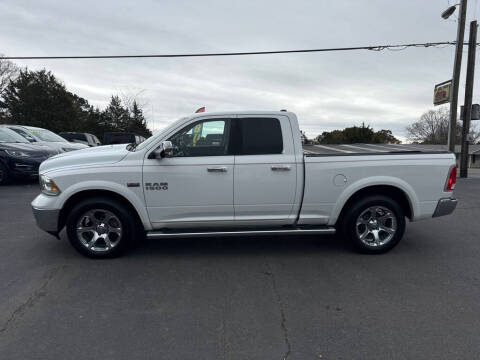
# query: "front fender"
136,200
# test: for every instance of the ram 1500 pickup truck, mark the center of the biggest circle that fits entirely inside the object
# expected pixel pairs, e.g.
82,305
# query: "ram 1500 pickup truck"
238,174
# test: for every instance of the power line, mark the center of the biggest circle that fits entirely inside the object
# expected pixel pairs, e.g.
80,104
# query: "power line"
187,55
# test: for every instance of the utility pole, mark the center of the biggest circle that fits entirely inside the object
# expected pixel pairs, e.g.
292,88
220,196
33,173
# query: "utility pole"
456,76
472,49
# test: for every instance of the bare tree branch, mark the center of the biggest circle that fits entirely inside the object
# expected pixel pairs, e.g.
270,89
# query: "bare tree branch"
432,128
8,70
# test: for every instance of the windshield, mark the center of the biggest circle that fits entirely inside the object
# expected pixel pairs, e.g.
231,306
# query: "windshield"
152,139
9,136
147,142
46,135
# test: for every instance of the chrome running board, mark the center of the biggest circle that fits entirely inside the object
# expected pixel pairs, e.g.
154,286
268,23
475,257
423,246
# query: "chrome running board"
275,232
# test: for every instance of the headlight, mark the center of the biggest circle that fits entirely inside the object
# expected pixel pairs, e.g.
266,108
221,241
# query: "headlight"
47,186
17,153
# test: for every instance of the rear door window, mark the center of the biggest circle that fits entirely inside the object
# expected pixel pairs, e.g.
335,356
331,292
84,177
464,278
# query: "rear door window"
259,136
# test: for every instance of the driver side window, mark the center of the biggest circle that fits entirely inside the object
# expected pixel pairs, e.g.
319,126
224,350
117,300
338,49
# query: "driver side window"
202,138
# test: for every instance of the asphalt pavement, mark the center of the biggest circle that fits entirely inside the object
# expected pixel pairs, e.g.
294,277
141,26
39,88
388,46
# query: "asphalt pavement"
264,298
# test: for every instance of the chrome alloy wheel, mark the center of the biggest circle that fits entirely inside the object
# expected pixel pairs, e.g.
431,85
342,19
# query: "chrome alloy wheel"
376,226
99,230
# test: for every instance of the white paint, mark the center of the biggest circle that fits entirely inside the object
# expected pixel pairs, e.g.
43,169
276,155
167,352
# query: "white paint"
248,193
363,148
333,148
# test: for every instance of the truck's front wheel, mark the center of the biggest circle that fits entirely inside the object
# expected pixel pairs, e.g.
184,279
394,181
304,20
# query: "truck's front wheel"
374,224
100,227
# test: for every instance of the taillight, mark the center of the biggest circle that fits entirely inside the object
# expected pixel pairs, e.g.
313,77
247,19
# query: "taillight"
452,179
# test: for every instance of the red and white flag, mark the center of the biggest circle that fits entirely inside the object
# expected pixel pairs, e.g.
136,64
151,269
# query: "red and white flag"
200,110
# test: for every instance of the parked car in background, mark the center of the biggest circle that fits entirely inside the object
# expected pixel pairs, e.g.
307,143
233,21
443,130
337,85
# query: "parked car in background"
46,138
110,138
81,138
19,158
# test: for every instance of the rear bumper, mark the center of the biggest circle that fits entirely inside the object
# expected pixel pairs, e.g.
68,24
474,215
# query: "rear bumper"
445,207
47,220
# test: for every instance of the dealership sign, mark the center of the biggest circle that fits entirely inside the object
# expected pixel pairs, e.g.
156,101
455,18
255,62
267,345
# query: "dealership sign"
441,94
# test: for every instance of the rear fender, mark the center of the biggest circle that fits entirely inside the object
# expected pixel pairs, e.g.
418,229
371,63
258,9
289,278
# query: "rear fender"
373,181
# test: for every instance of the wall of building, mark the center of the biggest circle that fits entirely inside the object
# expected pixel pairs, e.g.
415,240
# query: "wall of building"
475,161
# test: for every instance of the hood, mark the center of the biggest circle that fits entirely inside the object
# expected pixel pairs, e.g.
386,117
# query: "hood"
73,145
52,150
60,146
32,150
76,141
99,155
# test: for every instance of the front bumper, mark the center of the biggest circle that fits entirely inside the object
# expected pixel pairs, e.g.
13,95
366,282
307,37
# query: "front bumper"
47,220
445,207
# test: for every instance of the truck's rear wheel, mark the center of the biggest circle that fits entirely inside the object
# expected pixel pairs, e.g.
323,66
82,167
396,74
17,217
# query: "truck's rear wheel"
374,224
100,227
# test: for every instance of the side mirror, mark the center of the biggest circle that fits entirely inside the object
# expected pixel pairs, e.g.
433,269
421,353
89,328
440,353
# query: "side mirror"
164,150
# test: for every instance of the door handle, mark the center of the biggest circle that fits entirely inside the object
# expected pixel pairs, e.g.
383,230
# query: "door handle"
281,168
217,169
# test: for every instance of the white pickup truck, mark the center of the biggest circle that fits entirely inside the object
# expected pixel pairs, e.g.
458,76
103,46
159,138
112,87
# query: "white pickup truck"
238,174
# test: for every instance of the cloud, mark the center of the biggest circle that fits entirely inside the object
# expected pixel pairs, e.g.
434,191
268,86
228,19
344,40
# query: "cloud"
327,90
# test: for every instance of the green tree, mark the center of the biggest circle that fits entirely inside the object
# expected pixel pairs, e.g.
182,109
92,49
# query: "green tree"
136,122
116,116
37,98
332,137
95,124
357,134
385,137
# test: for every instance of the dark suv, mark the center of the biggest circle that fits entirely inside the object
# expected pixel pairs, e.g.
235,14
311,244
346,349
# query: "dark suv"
110,138
19,158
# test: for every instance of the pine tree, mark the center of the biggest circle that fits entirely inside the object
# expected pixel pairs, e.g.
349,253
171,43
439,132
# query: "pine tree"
37,98
137,123
115,116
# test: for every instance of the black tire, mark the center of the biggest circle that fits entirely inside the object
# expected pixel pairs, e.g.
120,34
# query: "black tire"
377,236
94,208
4,175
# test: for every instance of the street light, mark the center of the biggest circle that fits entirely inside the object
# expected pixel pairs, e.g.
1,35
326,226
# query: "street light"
452,128
447,13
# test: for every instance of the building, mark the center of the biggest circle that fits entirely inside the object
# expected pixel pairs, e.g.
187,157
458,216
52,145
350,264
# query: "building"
473,152
473,155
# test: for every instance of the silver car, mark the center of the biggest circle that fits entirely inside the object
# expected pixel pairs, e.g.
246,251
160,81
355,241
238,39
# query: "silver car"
45,138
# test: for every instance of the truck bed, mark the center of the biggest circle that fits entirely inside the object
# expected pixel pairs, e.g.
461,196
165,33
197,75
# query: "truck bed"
371,149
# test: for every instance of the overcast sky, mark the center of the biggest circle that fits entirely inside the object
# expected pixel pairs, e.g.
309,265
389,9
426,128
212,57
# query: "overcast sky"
387,90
